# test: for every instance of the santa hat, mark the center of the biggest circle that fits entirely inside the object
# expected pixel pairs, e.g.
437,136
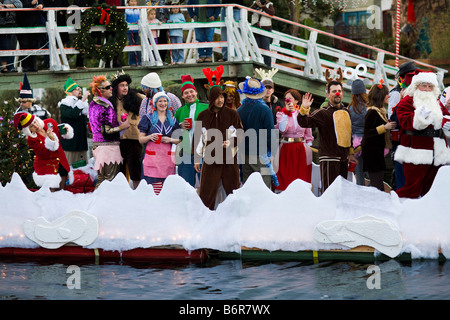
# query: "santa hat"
25,93
22,121
422,77
70,85
187,83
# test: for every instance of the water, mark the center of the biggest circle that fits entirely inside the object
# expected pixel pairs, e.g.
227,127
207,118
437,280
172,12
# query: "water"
225,280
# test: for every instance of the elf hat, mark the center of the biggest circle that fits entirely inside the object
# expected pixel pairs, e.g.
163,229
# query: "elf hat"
151,80
25,94
70,85
187,83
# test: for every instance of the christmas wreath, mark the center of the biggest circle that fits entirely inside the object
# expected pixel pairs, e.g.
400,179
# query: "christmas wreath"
115,32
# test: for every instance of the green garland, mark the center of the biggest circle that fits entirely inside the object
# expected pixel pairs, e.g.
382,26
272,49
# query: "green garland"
115,32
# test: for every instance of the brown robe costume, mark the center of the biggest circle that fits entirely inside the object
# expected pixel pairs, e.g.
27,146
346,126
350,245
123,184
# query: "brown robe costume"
218,167
335,140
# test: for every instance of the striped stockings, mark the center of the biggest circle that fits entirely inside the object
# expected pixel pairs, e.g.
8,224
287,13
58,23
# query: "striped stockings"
157,186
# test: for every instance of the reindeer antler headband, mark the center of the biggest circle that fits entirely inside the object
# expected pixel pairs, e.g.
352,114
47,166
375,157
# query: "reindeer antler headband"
209,74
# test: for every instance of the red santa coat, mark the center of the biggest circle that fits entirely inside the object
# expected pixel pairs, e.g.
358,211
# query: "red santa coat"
421,155
418,149
48,156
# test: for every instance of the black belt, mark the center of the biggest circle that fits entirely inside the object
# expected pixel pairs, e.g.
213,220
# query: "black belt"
425,133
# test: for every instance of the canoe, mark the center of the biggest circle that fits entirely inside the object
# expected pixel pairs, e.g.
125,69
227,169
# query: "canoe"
78,253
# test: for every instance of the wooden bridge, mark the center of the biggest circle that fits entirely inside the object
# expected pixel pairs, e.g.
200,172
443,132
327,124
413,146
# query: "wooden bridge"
301,62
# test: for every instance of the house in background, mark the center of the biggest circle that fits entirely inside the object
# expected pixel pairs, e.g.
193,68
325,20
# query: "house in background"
359,18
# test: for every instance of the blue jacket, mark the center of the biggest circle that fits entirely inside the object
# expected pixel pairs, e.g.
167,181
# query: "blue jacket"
176,18
210,12
256,115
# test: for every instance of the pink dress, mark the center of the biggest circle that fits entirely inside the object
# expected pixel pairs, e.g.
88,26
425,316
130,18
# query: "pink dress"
295,160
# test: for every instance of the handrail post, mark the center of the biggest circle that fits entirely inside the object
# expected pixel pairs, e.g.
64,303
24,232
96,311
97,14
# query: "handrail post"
380,72
229,21
54,62
313,68
249,37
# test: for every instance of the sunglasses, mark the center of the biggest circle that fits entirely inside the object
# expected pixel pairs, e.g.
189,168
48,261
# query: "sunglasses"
107,87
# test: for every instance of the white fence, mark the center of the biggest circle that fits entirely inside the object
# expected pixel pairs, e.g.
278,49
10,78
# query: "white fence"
241,47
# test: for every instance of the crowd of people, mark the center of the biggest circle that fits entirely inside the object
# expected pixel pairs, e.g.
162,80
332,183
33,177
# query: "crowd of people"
148,134
155,16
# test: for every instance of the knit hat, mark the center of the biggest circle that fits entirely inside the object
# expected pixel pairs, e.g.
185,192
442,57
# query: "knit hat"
358,87
159,95
151,80
252,88
25,90
120,76
70,85
187,83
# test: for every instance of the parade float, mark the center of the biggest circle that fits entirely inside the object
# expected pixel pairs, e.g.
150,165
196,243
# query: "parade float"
346,222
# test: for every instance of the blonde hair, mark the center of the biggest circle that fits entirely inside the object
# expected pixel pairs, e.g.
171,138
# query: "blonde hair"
150,10
95,84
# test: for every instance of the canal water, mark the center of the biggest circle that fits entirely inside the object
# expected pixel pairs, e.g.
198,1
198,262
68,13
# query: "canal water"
225,280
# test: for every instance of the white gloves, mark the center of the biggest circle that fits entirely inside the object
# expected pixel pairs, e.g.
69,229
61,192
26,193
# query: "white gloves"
423,112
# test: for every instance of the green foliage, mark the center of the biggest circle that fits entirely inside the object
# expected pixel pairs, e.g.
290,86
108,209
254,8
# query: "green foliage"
15,155
115,35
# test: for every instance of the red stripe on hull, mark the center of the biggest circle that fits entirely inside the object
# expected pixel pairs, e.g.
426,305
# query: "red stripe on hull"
138,254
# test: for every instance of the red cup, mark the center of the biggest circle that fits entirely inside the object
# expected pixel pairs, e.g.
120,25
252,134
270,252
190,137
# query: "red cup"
395,135
189,120
158,141
351,166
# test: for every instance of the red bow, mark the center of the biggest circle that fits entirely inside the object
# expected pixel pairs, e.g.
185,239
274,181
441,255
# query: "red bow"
104,17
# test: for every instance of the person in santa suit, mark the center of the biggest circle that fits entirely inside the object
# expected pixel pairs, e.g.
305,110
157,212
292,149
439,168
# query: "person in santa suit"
43,137
424,122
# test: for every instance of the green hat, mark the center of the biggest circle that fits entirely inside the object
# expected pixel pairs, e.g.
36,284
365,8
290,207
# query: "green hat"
70,85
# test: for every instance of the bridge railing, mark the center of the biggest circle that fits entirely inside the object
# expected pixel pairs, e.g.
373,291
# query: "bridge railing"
310,61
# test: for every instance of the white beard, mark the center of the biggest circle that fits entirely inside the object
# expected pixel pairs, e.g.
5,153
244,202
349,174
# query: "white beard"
429,100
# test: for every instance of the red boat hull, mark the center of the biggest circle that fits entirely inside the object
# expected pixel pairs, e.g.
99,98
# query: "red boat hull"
80,253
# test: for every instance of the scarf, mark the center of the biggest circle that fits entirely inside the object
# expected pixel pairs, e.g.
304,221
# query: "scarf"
383,115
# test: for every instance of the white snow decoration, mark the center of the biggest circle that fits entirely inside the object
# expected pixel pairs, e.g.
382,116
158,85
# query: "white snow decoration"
366,230
76,226
251,216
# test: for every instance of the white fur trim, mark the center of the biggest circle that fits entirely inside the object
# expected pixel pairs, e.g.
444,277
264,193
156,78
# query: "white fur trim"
50,144
52,180
71,177
428,77
69,134
26,131
414,156
441,152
